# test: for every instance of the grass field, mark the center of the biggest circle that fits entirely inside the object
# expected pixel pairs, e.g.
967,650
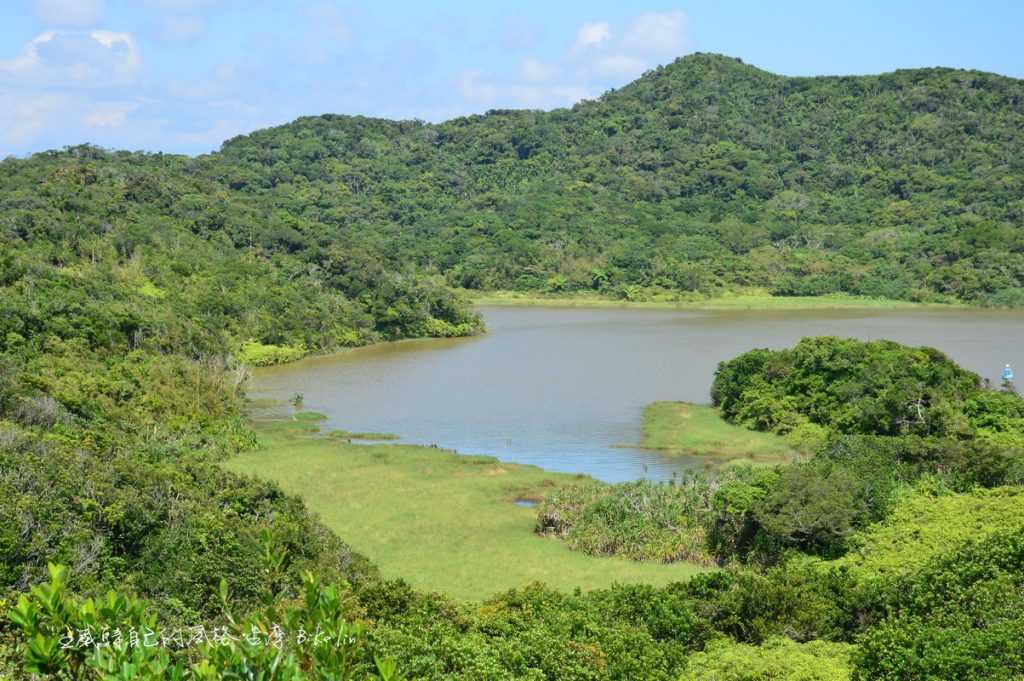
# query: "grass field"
443,521
746,301
684,428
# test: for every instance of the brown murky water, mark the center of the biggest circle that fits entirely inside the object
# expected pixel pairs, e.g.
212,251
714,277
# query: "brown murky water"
558,388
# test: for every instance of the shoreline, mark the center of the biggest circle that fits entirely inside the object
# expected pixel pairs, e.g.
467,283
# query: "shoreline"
753,302
731,302
453,522
376,345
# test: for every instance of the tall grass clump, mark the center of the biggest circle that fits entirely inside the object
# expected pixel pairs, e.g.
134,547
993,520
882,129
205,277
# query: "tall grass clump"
642,520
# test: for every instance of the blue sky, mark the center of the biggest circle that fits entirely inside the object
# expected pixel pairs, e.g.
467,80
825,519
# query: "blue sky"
184,75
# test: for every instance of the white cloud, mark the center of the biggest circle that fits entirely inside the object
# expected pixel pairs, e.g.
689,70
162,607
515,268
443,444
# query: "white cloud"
600,56
516,32
218,84
213,136
535,70
109,114
179,4
69,12
225,72
24,118
593,35
617,57
660,35
473,86
70,58
29,58
329,32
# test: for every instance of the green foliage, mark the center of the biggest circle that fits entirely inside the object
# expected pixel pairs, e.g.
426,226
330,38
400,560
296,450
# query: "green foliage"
695,518
778,659
133,290
851,386
133,287
188,266
703,176
961,464
813,508
883,417
109,466
924,526
257,354
62,636
640,520
961,617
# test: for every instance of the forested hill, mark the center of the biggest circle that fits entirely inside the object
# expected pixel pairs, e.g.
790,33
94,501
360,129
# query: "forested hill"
703,175
125,251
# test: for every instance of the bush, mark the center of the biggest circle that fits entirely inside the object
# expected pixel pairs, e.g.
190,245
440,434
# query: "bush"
777,659
813,508
640,520
961,617
257,354
849,386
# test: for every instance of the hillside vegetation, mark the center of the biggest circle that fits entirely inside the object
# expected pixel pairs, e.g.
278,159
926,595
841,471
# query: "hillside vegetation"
136,289
704,175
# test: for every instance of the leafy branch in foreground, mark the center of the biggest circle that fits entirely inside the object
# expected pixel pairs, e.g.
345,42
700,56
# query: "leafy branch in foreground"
118,638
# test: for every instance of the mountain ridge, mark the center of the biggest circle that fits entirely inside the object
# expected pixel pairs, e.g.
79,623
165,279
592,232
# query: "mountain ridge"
678,63
704,175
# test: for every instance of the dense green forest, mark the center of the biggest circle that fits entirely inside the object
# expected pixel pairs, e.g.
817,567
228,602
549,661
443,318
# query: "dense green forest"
704,175
135,289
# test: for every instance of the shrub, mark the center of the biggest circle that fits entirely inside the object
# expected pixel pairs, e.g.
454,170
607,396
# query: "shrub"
961,617
640,520
254,353
814,508
777,659
850,386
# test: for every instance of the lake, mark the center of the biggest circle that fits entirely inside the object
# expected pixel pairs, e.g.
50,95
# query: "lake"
564,388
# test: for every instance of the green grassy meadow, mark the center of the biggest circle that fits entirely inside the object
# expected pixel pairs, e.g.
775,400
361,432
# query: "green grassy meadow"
685,428
443,521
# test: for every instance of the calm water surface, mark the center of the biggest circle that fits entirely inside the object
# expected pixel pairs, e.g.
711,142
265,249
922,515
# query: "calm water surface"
559,388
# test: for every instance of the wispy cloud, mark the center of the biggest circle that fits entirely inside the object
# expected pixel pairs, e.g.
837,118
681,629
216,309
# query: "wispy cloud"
23,118
600,55
109,114
658,35
182,75
593,34
79,13
536,71
182,28
75,58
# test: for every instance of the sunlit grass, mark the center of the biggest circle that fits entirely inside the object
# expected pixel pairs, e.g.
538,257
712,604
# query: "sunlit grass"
685,428
443,521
